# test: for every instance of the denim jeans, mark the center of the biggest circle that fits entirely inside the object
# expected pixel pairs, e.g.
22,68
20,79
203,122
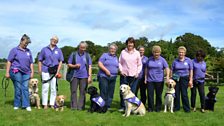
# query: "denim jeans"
21,91
107,86
132,82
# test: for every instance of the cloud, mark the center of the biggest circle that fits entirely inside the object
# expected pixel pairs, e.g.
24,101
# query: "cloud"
107,21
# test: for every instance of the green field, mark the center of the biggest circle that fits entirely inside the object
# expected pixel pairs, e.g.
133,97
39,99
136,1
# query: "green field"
10,117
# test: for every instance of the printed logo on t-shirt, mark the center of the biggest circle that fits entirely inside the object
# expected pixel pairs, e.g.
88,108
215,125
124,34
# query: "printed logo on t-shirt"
159,63
185,63
56,52
28,54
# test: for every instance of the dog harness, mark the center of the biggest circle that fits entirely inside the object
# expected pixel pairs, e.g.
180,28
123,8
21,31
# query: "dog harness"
56,106
173,94
134,100
98,100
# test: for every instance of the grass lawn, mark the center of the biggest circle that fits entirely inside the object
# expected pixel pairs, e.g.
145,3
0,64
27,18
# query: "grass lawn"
49,117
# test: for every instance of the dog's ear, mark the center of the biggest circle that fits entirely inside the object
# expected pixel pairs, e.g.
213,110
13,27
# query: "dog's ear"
210,88
217,89
129,88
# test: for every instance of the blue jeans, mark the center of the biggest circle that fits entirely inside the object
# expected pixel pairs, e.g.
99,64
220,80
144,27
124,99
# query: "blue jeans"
107,86
21,91
132,82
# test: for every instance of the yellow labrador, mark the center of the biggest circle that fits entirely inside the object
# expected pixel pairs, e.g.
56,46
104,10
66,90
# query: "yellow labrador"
33,92
59,103
132,103
169,96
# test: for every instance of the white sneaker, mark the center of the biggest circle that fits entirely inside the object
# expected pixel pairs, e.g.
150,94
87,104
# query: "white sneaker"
15,108
28,109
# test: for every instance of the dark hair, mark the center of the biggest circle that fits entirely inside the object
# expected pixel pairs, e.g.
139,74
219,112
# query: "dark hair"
200,53
131,40
25,37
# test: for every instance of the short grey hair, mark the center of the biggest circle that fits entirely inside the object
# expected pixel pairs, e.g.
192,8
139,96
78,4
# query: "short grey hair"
114,45
139,47
83,42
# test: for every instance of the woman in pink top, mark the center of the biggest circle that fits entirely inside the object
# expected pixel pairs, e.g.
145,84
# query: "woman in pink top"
130,65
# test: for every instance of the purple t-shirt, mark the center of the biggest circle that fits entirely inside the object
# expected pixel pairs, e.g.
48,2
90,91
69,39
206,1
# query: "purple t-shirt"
144,64
156,69
110,62
182,68
80,59
50,58
20,59
199,70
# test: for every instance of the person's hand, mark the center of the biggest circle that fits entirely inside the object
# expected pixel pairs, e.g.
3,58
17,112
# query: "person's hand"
31,75
212,77
77,65
136,75
7,75
190,84
145,81
89,79
123,74
107,72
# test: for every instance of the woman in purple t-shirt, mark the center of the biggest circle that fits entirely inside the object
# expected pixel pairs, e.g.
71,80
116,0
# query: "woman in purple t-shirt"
108,69
154,78
182,73
19,68
199,72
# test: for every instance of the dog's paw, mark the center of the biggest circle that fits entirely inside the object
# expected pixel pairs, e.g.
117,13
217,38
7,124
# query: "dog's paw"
165,111
171,111
124,115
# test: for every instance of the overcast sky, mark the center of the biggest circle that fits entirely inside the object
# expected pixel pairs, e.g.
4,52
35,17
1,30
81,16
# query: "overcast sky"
104,21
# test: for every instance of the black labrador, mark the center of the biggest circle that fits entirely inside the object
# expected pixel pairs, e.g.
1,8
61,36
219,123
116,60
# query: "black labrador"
97,103
210,99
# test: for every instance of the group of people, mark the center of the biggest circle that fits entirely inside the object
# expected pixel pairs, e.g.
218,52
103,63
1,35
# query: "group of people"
142,73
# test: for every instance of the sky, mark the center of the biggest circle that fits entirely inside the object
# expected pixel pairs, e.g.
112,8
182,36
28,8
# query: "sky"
104,21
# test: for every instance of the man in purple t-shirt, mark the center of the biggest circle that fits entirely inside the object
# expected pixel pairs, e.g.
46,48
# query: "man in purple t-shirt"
19,68
50,56
82,75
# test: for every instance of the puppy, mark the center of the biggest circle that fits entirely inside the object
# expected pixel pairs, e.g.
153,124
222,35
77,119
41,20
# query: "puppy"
169,96
132,103
59,103
210,99
97,103
33,92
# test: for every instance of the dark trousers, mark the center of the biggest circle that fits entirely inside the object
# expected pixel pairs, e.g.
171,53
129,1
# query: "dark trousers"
201,91
142,86
181,88
82,84
132,82
107,86
158,87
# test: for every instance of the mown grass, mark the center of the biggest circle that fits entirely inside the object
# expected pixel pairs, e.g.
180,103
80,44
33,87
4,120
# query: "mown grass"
9,117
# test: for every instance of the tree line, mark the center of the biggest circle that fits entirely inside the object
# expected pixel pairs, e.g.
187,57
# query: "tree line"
192,42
